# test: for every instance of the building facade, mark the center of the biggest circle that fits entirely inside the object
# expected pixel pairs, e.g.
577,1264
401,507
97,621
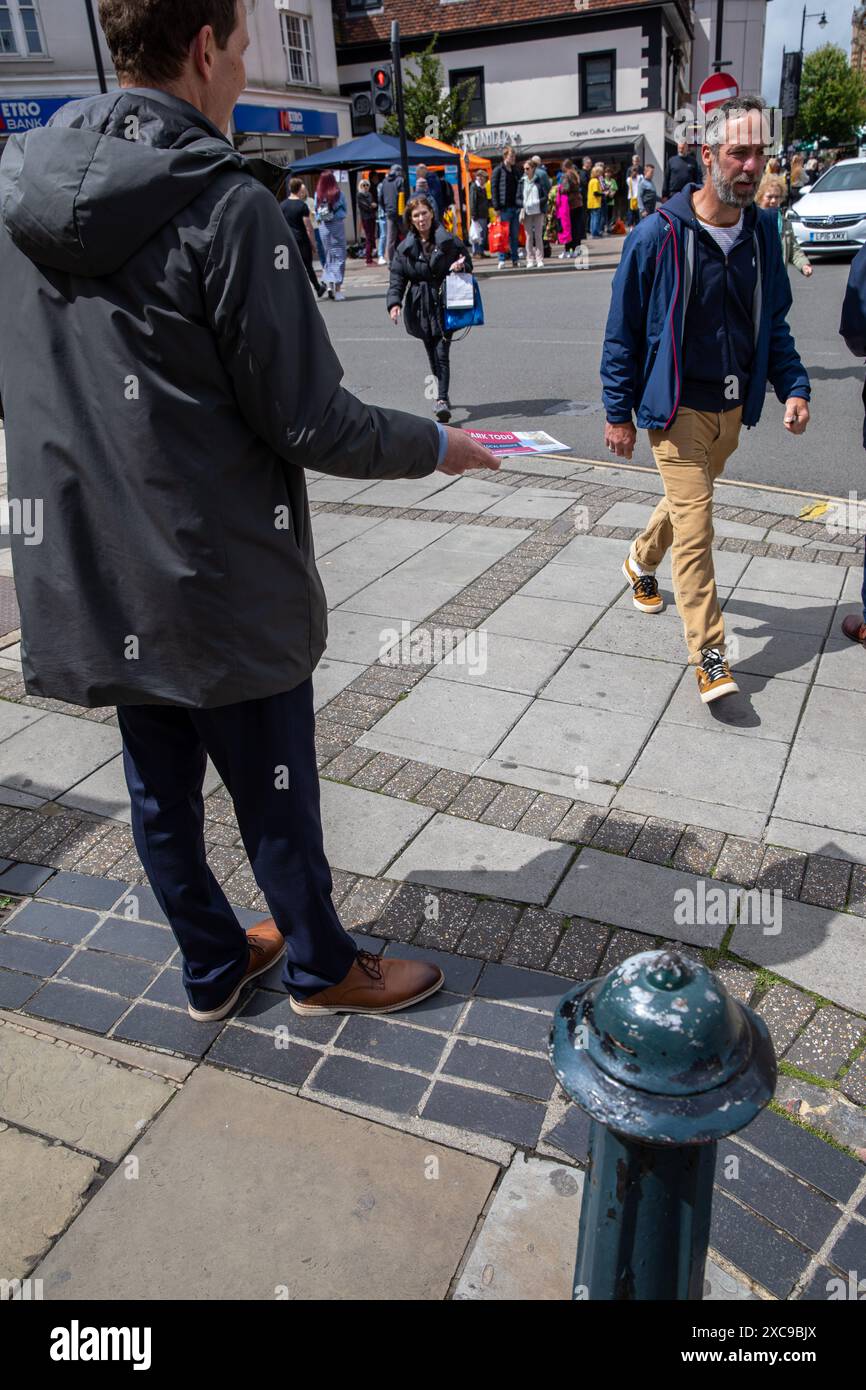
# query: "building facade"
291,107
553,78
858,39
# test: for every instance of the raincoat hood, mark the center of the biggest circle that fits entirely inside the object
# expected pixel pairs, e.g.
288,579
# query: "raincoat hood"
85,193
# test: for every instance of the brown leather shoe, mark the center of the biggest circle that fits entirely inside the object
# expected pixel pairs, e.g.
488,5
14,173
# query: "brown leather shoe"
267,944
855,629
375,985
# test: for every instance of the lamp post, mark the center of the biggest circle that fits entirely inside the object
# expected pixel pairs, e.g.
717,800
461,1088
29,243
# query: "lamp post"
94,39
822,23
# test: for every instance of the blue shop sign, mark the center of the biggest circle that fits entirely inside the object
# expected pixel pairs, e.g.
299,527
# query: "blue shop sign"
27,113
279,120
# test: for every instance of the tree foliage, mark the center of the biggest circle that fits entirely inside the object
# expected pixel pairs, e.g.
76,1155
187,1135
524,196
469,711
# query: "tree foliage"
832,98
429,108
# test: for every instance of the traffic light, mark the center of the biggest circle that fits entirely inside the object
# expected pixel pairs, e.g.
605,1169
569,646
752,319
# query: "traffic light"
381,88
362,105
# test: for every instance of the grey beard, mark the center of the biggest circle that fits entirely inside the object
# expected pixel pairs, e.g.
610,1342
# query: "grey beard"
727,191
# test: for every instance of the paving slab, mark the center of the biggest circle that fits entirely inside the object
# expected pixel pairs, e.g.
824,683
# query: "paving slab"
55,753
359,637
682,765
336,489
465,495
824,786
833,719
534,503
626,684
640,897
543,619
781,576
43,1188
407,492
843,663
83,1101
593,552
637,514
344,1207
174,1068
557,783
14,717
526,1247
766,709
331,529
816,839
770,651
447,723
580,584
792,612
503,663
363,831
575,741
626,632
105,793
331,676
454,853
822,951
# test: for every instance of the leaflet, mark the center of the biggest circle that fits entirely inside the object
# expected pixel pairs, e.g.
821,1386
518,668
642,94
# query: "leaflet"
507,442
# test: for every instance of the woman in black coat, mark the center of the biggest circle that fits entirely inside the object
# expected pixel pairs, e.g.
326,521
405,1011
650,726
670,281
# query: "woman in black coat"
425,256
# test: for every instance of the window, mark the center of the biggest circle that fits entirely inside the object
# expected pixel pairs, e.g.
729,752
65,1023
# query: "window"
477,115
296,42
597,82
20,33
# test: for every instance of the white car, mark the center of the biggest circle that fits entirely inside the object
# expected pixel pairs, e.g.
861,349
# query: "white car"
831,215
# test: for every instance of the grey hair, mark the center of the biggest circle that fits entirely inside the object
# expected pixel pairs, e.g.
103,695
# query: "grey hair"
731,109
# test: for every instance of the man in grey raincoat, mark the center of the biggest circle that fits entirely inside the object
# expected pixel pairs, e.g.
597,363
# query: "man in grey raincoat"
174,381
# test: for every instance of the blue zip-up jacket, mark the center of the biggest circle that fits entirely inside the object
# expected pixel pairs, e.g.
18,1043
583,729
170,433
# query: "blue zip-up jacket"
853,325
642,358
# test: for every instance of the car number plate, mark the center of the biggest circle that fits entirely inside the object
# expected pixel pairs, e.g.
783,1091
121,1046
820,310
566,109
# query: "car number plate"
828,236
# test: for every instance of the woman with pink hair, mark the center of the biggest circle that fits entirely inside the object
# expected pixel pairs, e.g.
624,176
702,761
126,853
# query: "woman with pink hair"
331,220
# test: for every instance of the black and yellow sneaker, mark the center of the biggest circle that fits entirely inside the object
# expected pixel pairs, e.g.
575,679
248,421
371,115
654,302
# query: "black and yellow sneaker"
714,676
644,588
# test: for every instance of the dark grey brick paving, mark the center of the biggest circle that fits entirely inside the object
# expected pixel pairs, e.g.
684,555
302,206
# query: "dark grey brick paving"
441,790
789,1204
738,981
168,988
853,1083
139,904
404,913
494,1066
444,918
802,1153
15,988
698,849
580,824
264,1009
500,1023
622,945
159,1027
24,878
545,815
657,841
365,902
532,988
384,1041
508,807
474,798
82,890
366,1082
782,869
118,974
53,922
139,939
571,1134
483,1112
849,1251
30,955
822,1284
857,890
751,1244
258,1053
81,1008
409,780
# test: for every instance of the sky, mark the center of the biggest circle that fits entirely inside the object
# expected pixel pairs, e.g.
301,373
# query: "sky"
784,18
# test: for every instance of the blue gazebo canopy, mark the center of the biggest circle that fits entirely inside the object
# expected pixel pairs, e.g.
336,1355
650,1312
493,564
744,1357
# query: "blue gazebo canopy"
372,151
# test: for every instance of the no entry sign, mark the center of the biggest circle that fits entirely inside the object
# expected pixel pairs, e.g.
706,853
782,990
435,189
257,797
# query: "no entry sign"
715,89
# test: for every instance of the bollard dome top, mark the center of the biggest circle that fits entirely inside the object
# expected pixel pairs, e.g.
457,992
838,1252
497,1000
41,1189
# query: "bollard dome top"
659,1049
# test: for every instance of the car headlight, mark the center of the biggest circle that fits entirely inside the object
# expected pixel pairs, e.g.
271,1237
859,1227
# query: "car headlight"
793,216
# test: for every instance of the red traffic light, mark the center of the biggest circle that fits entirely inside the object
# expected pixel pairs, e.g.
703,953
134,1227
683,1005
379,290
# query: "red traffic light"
381,79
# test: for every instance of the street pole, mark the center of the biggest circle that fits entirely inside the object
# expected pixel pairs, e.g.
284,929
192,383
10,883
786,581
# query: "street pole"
398,89
720,18
94,39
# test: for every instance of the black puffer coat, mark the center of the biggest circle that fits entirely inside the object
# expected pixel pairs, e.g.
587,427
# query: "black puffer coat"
424,276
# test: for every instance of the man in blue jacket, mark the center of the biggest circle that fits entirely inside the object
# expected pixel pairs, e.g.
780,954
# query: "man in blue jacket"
853,330
696,328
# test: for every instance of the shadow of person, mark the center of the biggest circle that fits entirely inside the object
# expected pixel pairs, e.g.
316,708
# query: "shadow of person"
794,637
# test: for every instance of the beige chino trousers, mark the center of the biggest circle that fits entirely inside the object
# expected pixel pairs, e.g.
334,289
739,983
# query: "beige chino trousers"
690,456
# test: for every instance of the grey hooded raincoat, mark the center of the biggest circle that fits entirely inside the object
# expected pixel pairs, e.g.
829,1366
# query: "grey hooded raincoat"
165,378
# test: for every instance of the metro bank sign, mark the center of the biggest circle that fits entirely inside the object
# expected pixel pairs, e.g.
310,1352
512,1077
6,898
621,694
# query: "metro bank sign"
18,114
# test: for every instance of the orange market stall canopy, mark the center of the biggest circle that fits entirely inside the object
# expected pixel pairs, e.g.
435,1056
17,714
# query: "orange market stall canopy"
466,162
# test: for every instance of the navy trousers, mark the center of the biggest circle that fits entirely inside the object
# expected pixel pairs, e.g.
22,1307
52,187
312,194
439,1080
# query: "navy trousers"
264,751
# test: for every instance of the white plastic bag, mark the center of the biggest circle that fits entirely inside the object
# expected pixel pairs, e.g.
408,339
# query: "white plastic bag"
459,291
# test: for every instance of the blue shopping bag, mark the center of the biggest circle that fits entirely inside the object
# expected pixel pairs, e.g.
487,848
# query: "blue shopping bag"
466,317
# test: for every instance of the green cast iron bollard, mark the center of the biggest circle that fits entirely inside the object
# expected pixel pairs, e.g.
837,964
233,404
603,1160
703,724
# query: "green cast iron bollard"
666,1063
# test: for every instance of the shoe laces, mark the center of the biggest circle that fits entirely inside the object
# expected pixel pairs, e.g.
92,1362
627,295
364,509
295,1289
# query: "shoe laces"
370,964
713,664
646,586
